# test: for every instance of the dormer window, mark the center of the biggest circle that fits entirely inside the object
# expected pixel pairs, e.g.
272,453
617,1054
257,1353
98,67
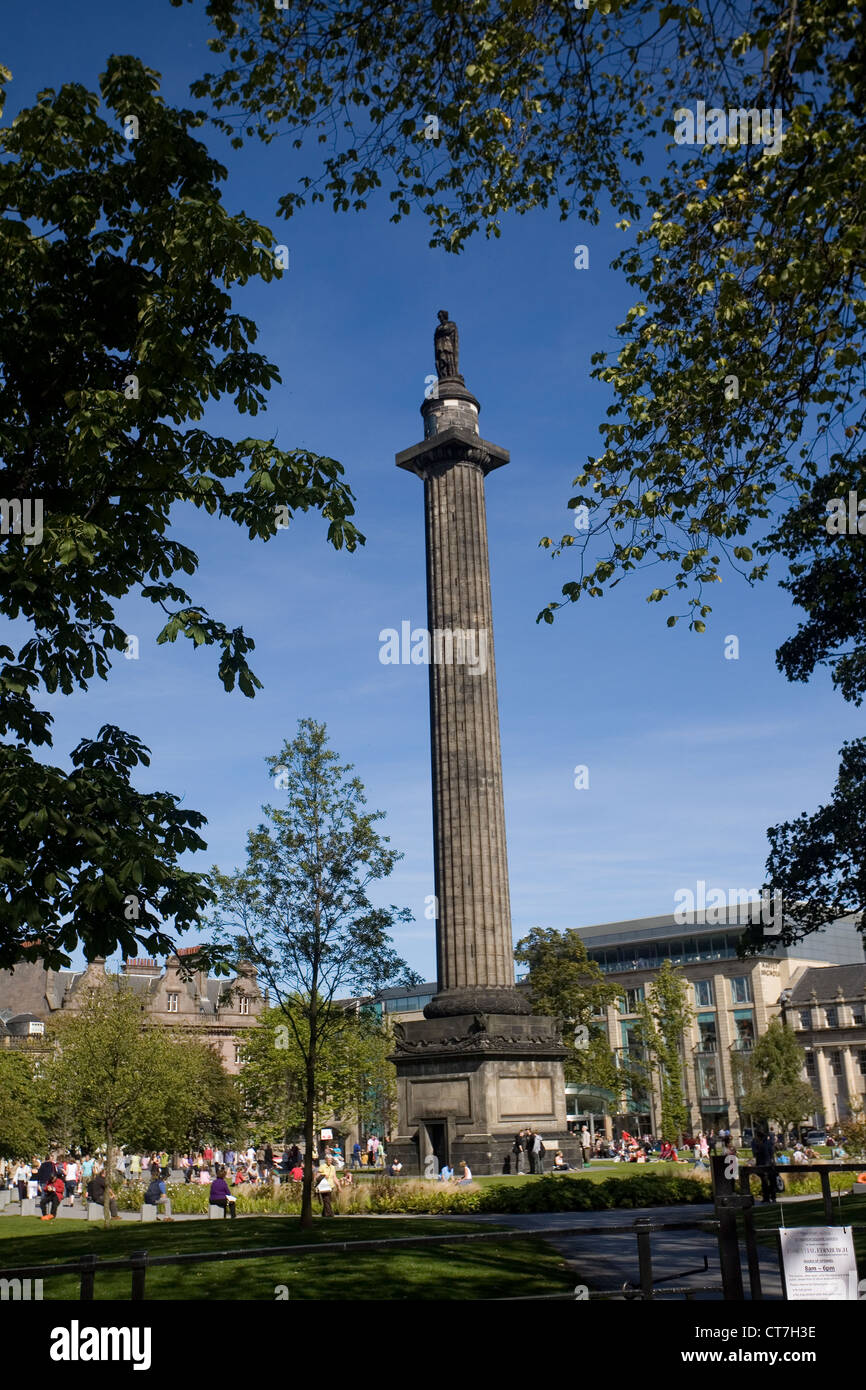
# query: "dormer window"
173,1003
244,1004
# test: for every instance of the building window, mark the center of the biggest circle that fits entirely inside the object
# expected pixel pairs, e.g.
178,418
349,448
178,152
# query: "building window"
857,1017
172,1003
811,1066
707,1033
244,1004
704,992
744,1024
832,1015
861,1060
805,1018
835,1059
628,1002
36,1029
239,1054
741,989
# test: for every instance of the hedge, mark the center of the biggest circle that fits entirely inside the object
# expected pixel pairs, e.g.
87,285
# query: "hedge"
407,1196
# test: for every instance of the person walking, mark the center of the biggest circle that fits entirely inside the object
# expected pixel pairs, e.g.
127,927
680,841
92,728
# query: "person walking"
46,1172
325,1189
356,1154
21,1177
70,1180
763,1150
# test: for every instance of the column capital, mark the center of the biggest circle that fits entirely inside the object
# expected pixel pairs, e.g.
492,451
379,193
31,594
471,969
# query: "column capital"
452,446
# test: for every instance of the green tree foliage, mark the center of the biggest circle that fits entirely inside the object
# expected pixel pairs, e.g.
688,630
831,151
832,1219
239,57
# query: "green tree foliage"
24,1104
853,1130
205,1104
117,328
569,987
664,1017
738,401
506,83
352,1070
818,860
300,910
116,1076
771,1079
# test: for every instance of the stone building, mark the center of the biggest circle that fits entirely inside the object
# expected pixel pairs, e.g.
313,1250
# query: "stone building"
733,1002
826,1009
219,1012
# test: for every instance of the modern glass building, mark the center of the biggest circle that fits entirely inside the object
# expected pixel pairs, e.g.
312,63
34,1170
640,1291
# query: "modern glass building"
733,1001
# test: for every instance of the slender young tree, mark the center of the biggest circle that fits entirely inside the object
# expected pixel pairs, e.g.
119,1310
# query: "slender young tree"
772,1081
301,911
664,1016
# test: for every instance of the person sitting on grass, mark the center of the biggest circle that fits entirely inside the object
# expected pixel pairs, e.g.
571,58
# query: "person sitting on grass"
559,1163
446,1173
220,1196
466,1175
395,1168
839,1150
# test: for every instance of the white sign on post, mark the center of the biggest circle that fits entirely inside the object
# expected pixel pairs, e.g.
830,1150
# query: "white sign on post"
818,1262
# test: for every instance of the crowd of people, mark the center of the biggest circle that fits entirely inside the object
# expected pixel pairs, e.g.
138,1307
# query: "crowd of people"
57,1178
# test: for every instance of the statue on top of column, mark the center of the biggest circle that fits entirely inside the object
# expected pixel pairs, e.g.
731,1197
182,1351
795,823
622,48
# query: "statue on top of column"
446,345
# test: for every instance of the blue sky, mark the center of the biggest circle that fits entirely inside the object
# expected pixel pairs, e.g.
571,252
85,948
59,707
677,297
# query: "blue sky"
691,756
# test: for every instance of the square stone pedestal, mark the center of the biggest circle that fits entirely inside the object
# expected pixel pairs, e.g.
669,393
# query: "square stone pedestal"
467,1084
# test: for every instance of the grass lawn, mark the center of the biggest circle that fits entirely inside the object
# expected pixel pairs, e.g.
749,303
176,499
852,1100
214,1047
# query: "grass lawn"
851,1213
490,1270
597,1172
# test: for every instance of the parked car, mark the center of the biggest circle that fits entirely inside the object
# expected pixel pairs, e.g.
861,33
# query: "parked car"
814,1136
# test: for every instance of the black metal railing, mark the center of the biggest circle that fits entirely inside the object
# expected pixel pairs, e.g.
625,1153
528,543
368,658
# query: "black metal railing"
86,1267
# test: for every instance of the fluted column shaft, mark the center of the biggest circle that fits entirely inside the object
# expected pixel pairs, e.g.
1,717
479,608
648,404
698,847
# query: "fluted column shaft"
474,913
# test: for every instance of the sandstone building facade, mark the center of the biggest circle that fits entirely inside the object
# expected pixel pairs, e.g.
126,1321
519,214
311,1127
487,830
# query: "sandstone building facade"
220,1012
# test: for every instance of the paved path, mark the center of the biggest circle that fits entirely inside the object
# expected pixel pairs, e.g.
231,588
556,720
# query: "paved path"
607,1262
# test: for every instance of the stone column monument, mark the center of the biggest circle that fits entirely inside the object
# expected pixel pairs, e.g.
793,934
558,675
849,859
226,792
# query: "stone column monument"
480,1067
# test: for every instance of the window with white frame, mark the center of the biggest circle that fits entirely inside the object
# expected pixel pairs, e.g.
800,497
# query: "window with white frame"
704,993
244,1004
173,1003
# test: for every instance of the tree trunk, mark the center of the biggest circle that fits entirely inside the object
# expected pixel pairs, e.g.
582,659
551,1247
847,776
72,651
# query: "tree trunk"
109,1168
309,1130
